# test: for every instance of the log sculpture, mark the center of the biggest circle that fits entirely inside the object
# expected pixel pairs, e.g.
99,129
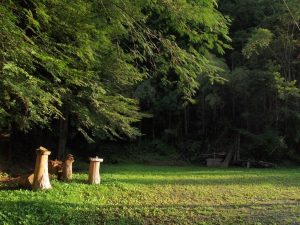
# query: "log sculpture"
94,170
67,168
26,181
41,177
55,166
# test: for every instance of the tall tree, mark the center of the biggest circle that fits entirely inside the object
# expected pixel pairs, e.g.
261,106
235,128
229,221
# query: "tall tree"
76,61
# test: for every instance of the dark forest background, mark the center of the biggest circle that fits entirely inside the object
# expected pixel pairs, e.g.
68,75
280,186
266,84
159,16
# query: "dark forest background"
145,80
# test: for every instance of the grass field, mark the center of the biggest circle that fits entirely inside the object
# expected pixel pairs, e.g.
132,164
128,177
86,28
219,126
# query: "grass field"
137,194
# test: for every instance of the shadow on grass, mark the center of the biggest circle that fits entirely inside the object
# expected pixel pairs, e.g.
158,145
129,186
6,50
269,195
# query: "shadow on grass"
9,184
11,188
47,212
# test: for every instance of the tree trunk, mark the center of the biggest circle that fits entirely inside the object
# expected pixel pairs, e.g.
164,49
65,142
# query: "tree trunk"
140,137
238,147
7,141
228,158
63,136
153,129
186,128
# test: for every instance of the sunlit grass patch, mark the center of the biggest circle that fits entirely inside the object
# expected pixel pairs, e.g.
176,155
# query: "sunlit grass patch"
137,194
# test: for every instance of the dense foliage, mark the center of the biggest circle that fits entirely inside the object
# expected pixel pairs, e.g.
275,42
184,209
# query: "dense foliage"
255,111
171,70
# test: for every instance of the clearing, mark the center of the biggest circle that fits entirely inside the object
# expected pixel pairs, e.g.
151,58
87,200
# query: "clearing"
138,194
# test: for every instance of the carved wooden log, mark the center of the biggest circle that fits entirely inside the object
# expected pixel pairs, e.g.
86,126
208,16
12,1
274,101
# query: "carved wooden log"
41,177
67,168
26,181
55,166
94,170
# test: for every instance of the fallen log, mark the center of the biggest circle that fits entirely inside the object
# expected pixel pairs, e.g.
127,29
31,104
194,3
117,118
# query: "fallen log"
253,164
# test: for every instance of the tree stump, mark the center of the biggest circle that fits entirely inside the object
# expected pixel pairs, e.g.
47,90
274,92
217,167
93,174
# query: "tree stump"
67,168
94,170
41,177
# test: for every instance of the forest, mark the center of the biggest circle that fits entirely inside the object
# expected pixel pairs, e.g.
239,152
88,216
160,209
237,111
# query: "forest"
178,78
191,108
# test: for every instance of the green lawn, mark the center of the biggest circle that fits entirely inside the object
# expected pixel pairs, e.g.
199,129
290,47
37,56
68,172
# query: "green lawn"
137,194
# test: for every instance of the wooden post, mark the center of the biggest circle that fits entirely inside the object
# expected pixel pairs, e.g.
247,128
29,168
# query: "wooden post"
67,168
94,170
248,164
41,177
